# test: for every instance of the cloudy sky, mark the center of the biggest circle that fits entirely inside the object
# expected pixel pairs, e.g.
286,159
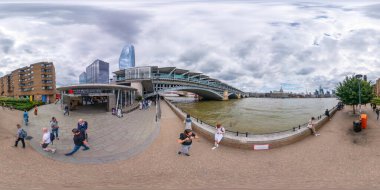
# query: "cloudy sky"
253,45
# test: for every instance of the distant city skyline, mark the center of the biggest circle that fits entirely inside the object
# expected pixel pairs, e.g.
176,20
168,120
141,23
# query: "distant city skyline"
127,57
252,45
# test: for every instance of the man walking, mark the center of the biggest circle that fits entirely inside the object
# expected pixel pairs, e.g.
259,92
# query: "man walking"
26,117
377,113
186,139
21,135
79,141
46,141
66,110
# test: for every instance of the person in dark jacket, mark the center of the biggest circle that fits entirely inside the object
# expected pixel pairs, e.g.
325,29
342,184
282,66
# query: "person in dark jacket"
82,127
79,141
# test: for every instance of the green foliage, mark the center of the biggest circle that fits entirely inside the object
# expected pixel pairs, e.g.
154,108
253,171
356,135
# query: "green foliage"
139,98
376,101
348,91
19,104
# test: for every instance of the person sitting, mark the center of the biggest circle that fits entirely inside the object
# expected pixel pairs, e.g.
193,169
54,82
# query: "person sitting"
311,126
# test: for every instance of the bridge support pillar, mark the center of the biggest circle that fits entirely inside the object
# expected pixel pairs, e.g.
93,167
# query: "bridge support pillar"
225,95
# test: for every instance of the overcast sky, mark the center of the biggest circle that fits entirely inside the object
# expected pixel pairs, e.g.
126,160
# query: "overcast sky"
256,46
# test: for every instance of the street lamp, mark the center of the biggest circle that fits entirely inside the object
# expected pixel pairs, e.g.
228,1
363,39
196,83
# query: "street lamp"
359,76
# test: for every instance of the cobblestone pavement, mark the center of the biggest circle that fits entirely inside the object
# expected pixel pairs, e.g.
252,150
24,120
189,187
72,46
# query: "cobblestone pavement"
110,138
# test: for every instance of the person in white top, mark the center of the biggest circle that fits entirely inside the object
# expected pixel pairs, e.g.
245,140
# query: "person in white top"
218,135
311,126
46,141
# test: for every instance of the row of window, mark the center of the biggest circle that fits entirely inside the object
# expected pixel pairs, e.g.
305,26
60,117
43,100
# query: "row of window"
30,89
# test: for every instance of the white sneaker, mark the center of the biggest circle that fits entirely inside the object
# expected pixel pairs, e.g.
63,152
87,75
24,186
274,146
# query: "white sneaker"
213,148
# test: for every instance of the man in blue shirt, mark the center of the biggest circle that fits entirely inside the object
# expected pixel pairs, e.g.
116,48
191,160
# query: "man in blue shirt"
26,117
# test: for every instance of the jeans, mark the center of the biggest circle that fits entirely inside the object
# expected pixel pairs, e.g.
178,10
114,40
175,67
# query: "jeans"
76,148
26,120
55,132
22,140
185,149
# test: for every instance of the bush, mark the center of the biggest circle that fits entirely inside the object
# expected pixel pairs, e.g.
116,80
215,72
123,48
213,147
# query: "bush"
19,104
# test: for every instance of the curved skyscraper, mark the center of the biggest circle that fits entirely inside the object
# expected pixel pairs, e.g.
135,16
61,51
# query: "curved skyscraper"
127,57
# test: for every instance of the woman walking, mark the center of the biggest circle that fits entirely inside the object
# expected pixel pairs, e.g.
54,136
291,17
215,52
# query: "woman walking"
35,110
187,122
54,127
218,135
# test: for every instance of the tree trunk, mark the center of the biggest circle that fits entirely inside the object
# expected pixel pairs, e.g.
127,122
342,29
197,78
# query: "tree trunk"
353,108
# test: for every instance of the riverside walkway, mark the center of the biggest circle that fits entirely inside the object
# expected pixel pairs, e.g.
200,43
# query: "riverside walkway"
338,159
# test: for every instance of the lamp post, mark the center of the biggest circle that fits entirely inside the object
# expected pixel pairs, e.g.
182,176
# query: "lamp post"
359,76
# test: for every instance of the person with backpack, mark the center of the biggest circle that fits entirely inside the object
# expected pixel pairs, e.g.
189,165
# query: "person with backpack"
26,117
54,127
79,141
218,135
82,127
187,122
21,135
186,139
66,110
46,140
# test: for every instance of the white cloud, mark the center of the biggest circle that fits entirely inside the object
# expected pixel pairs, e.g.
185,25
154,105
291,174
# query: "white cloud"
256,46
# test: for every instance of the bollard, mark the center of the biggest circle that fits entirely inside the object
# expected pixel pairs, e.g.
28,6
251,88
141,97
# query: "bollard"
294,129
246,134
299,126
201,121
237,133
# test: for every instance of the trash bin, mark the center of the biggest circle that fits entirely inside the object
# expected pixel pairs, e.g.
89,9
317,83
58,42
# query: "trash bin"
363,119
357,127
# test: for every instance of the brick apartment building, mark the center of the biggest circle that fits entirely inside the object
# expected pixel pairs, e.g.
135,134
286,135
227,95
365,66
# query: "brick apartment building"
36,82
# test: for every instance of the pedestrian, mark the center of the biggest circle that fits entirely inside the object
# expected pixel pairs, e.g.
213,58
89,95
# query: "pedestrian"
54,127
82,127
218,135
66,110
20,136
311,126
377,113
186,139
187,122
140,105
119,113
46,141
79,141
35,110
26,117
327,113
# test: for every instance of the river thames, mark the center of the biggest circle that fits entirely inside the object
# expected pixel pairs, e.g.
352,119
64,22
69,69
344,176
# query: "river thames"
256,115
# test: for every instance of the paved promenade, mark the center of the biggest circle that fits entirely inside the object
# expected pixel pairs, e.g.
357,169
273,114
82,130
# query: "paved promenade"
110,138
338,159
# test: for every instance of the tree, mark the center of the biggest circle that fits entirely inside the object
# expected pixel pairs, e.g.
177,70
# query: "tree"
348,91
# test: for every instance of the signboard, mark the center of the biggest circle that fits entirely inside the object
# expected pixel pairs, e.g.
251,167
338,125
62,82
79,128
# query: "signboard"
261,147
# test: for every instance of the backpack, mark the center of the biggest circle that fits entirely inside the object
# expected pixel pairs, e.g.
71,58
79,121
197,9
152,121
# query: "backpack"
52,137
23,134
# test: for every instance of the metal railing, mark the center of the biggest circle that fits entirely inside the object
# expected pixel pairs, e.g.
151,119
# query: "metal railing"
247,134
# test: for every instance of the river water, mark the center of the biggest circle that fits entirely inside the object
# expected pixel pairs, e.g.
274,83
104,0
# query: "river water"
256,115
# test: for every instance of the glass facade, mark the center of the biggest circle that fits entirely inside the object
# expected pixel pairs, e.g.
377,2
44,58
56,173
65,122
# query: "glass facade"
98,72
127,57
83,78
138,73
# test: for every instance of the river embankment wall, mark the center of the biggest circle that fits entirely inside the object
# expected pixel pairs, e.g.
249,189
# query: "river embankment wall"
251,141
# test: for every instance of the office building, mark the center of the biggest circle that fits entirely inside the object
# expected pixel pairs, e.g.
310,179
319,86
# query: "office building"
127,57
83,78
98,72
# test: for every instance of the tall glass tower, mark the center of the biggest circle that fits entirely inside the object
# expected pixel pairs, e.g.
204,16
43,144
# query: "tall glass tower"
127,57
98,72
